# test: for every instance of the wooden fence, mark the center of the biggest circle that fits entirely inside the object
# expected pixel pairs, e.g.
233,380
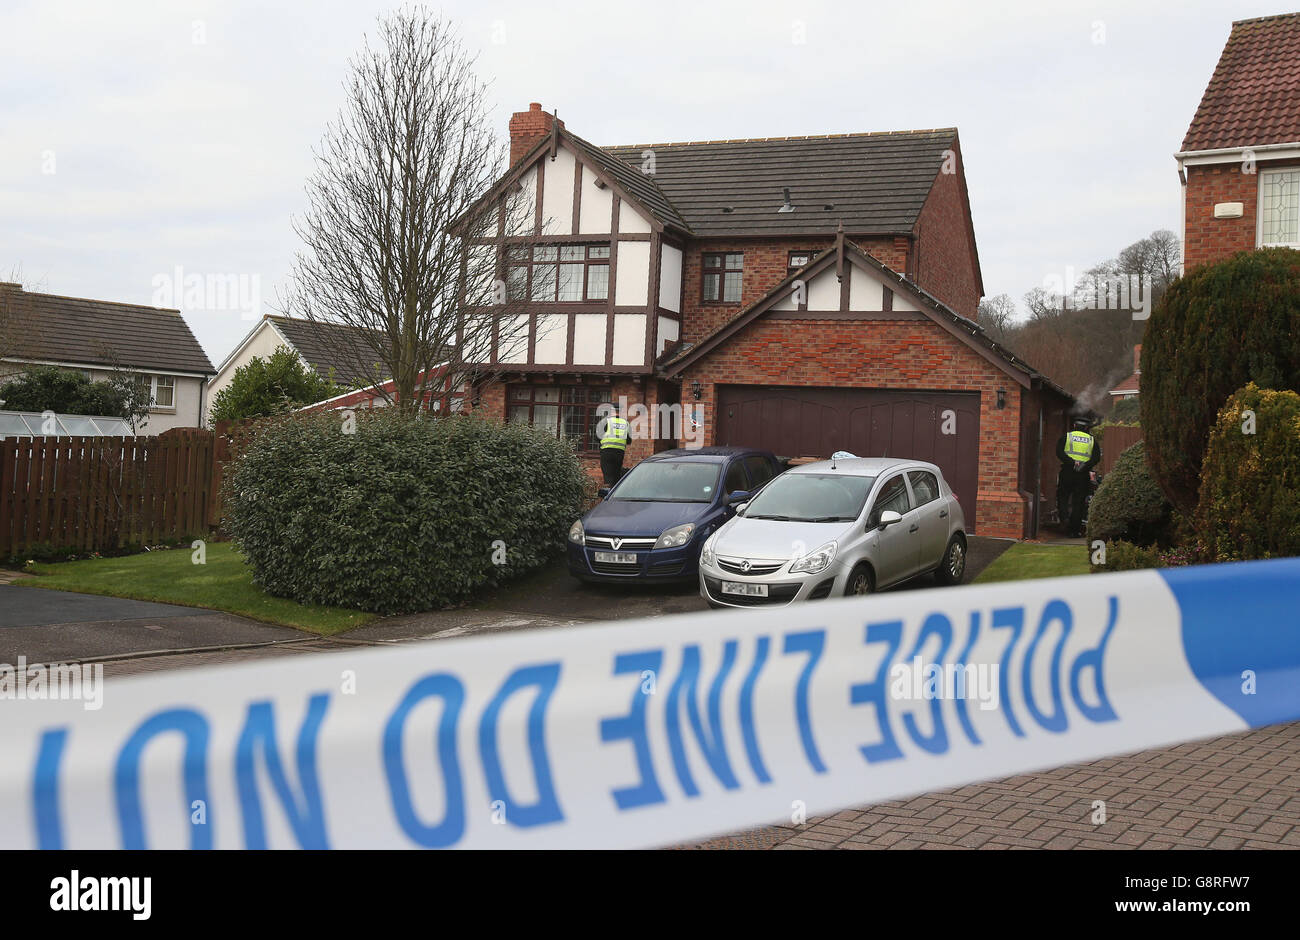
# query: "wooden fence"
101,493
1116,439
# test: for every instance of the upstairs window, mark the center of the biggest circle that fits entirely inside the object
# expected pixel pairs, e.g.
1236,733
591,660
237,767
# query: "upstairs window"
559,273
722,273
1279,207
798,259
164,391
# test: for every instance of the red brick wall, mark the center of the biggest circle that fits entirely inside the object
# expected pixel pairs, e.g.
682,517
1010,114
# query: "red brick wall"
881,354
1210,239
946,262
766,265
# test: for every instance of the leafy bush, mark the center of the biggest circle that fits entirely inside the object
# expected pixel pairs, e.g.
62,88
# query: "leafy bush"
1217,328
407,513
1125,556
1126,411
264,387
1129,505
1250,487
64,391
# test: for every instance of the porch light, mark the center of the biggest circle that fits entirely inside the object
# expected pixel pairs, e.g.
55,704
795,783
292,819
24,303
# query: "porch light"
1002,398
697,390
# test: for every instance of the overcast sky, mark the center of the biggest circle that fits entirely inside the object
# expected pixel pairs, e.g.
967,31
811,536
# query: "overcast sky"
140,136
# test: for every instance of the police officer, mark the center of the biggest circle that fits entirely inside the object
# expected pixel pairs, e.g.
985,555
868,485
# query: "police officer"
613,445
1078,452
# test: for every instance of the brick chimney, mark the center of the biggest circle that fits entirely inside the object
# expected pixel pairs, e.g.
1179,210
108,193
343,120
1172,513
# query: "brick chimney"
1137,359
527,128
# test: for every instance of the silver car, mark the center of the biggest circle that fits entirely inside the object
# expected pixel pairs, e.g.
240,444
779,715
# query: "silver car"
836,527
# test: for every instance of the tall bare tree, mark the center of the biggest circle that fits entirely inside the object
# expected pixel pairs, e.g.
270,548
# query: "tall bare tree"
402,237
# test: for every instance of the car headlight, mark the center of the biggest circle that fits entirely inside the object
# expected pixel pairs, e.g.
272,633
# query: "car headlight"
577,535
706,553
676,537
816,560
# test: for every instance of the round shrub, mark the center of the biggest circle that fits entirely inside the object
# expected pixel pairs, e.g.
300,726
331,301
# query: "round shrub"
405,513
1215,329
1129,505
1250,487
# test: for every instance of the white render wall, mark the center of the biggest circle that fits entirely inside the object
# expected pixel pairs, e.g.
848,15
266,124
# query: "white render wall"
629,339
633,274
670,278
669,331
596,208
557,194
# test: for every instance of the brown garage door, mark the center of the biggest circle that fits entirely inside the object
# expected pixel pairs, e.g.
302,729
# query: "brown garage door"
867,422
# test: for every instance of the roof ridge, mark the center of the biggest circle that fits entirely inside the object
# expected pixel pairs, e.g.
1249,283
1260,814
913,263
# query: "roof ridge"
763,140
1264,19
92,300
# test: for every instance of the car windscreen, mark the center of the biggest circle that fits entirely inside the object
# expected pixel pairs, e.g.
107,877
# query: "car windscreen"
670,481
811,497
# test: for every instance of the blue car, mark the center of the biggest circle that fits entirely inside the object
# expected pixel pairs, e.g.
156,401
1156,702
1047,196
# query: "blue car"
651,524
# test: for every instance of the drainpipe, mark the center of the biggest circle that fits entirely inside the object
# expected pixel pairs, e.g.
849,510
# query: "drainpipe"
1037,502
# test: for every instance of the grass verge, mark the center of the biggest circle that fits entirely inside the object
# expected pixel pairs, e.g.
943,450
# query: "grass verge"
1025,560
171,577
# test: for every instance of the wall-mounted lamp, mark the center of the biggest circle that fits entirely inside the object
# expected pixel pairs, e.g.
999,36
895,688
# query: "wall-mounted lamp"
697,390
1002,398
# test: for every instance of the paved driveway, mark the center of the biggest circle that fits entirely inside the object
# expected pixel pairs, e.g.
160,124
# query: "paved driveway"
60,626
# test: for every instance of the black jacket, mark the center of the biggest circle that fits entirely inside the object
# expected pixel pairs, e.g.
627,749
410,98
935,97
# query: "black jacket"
1067,463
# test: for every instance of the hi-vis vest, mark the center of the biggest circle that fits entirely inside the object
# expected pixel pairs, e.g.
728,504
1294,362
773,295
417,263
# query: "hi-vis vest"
615,433
1078,445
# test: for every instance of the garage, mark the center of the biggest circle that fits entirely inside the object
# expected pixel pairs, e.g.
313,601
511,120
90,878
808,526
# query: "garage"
866,422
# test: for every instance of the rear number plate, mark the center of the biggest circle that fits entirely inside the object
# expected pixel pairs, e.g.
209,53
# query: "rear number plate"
616,558
746,590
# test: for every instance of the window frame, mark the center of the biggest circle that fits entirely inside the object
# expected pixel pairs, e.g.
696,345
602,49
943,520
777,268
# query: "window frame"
1259,207
155,383
791,267
591,444
532,263
721,273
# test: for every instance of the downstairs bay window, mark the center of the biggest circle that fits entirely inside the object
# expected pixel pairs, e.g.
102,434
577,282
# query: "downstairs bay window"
569,411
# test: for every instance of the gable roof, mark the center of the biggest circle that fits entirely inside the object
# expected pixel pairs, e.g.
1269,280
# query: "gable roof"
1253,97
875,183
75,330
327,346
966,331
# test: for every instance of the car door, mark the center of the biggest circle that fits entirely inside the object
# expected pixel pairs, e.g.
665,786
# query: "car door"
932,516
897,546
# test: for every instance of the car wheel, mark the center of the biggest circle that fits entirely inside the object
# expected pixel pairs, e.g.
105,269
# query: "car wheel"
860,582
953,567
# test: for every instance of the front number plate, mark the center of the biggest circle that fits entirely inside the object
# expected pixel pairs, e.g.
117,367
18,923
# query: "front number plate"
747,590
616,558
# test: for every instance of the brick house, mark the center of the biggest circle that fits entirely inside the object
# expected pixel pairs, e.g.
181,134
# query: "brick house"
803,295
1240,161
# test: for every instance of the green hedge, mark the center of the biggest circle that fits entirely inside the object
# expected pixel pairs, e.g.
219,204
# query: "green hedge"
404,514
1215,329
1129,505
1250,484
1125,556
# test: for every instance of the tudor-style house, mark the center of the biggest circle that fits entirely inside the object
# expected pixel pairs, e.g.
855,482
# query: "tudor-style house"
1240,161
803,295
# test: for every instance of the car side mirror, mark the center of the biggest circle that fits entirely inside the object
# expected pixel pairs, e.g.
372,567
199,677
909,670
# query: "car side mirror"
603,492
888,518
737,496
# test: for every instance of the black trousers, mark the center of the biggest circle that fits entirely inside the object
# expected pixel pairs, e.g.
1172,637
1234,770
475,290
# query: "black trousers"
1071,501
611,464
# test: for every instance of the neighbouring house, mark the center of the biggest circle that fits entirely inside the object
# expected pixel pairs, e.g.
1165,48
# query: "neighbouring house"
1131,386
95,337
803,295
1240,161
332,350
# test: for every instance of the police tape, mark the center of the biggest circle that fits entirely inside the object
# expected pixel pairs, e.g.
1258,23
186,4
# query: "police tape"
660,731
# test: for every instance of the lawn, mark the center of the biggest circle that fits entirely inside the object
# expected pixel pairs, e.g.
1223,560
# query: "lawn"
171,577
1025,560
